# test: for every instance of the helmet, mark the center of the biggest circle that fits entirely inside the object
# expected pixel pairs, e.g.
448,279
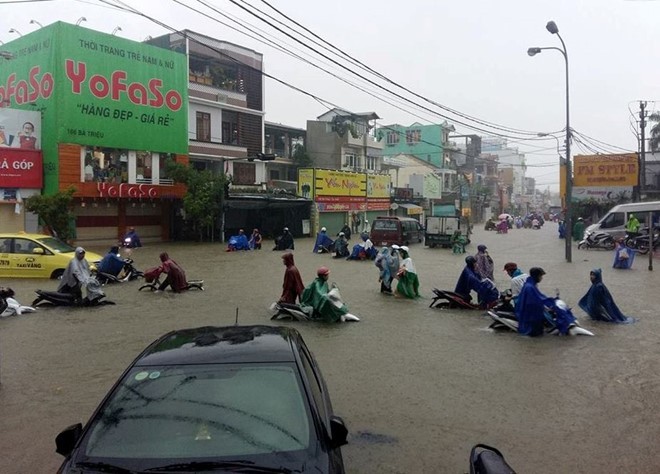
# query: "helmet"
470,260
510,267
323,229
323,271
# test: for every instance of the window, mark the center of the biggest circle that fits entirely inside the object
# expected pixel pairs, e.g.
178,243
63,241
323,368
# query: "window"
392,138
371,163
230,128
203,127
350,160
143,166
615,219
413,136
116,165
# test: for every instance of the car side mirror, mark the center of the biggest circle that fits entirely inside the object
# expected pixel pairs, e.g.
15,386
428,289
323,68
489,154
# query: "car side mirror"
38,250
338,432
67,439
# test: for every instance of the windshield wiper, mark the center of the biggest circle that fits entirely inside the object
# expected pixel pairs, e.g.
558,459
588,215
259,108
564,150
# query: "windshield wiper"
105,467
234,466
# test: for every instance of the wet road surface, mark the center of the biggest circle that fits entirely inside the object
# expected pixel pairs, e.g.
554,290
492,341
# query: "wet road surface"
416,386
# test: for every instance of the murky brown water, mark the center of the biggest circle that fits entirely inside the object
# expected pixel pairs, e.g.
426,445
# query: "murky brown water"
416,386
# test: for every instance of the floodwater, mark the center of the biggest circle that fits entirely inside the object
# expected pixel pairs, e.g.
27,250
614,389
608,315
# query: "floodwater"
416,386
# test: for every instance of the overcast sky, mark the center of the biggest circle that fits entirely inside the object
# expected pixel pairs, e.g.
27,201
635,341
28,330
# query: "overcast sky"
470,56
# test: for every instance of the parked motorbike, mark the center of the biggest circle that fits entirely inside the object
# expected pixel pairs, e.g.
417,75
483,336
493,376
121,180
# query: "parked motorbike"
641,241
95,296
444,299
559,319
9,306
128,273
597,240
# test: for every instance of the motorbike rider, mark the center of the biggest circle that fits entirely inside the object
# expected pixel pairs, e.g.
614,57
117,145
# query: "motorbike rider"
111,263
598,302
346,230
284,241
470,280
341,246
176,277
632,226
323,242
518,279
131,239
531,305
317,302
76,274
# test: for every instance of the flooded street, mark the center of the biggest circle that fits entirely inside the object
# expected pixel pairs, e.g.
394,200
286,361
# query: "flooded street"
416,386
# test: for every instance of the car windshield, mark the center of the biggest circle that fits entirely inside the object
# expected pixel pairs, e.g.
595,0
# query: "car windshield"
56,245
203,411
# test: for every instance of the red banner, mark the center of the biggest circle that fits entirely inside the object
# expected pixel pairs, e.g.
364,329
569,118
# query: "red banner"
21,168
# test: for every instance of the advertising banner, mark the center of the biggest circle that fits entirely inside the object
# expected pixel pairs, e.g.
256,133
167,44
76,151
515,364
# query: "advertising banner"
20,129
379,185
432,188
306,182
20,168
602,193
605,170
97,89
340,183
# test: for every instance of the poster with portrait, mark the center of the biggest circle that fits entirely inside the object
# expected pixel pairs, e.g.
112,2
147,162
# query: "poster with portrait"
20,129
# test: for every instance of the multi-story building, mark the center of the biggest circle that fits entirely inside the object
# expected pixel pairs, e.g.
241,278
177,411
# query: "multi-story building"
346,141
226,105
113,112
283,142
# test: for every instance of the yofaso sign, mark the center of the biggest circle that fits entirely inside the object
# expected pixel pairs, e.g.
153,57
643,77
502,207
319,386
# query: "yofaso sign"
99,89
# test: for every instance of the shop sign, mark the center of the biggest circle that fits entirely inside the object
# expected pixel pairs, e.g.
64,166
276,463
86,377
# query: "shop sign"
605,170
341,206
125,190
378,205
306,182
21,168
602,194
340,183
378,185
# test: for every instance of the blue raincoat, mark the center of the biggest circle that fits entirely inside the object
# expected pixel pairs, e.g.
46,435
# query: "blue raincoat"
530,309
323,242
599,304
469,281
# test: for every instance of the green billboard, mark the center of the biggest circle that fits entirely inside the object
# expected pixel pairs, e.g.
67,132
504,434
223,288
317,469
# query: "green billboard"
97,89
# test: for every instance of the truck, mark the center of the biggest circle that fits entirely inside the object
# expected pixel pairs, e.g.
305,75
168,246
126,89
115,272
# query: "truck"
440,227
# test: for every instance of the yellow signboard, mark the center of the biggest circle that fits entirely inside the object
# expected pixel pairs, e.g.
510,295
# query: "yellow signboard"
378,185
606,170
306,182
339,183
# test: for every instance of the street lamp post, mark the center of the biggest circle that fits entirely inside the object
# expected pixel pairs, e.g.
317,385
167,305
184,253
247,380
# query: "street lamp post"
553,29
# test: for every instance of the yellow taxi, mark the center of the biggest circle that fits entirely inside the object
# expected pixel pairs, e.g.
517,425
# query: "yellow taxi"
36,256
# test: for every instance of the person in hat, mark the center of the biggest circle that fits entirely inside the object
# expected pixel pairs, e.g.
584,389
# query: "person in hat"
293,286
341,246
484,266
322,303
346,230
599,304
578,230
518,279
382,262
76,274
530,308
284,241
470,280
632,226
408,284
323,242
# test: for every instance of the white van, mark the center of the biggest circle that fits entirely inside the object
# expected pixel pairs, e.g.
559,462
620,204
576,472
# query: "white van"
614,222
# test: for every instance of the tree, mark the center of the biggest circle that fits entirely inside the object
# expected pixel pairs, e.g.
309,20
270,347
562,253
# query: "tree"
300,157
55,211
654,142
204,198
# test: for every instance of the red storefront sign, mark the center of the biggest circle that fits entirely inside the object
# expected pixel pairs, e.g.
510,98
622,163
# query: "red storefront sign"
21,168
351,203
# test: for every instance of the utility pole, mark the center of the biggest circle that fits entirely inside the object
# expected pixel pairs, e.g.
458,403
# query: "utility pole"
642,148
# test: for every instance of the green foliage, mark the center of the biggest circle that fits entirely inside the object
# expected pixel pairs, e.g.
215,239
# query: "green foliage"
55,211
204,196
300,157
654,143
591,208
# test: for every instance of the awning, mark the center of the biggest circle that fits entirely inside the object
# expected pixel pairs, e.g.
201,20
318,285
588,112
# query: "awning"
412,209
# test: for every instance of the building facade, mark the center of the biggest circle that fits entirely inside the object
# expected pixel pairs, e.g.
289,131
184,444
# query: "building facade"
113,112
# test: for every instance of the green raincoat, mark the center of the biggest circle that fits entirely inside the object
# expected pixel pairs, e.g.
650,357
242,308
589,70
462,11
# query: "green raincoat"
316,303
